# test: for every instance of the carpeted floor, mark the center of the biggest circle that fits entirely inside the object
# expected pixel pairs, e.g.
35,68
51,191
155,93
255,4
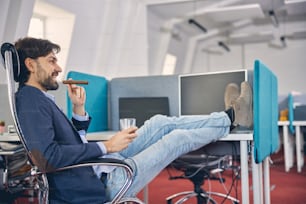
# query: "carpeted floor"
286,188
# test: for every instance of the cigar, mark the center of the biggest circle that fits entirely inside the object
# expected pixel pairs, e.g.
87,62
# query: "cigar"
75,82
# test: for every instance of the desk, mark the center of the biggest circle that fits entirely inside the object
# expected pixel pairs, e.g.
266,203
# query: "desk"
9,137
244,138
6,137
288,143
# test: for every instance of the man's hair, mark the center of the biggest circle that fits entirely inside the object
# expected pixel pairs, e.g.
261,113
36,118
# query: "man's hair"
32,48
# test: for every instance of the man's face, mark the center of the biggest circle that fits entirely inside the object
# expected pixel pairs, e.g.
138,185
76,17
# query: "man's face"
46,72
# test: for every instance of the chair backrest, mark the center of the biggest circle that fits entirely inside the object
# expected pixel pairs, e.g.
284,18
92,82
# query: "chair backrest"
11,65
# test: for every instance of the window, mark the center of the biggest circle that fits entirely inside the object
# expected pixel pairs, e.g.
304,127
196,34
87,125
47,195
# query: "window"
169,65
37,27
55,24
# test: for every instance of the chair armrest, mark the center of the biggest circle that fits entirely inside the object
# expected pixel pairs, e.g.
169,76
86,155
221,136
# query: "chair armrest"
97,162
104,162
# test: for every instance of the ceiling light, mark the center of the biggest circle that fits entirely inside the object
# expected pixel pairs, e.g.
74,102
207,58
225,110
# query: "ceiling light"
273,18
197,24
224,46
283,41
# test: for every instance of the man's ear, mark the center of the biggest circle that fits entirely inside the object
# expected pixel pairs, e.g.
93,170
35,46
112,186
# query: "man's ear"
29,64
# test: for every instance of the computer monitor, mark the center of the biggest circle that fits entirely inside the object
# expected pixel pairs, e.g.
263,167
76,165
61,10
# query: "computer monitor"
143,108
204,93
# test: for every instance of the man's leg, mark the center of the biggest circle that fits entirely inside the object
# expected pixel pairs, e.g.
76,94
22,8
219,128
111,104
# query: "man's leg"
162,141
159,143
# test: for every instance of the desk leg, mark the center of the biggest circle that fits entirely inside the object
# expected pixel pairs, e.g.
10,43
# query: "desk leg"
299,149
244,172
257,181
288,148
267,181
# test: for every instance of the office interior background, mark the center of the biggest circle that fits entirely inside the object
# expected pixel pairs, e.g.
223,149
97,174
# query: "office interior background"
127,38
116,38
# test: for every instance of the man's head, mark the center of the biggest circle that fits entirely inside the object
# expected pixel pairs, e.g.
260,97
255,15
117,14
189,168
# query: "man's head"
38,63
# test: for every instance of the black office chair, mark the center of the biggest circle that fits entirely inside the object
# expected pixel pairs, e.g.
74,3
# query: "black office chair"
38,176
198,166
15,174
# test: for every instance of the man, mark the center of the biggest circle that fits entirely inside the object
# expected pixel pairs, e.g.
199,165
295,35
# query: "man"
56,142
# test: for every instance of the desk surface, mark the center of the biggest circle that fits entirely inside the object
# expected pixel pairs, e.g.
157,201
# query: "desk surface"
105,135
9,137
295,122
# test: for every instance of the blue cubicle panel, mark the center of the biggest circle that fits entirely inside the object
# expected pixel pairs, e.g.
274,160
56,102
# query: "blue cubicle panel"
145,86
96,100
265,112
290,113
296,109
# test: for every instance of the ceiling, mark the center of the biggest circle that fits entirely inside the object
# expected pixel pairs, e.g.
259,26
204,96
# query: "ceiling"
234,21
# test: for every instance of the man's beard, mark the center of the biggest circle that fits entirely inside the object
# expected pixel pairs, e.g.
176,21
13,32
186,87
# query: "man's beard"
47,83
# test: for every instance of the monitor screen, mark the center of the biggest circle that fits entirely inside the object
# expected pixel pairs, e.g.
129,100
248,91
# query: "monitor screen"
143,108
204,93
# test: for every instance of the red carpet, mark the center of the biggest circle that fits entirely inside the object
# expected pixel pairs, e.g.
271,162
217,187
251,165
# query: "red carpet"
286,188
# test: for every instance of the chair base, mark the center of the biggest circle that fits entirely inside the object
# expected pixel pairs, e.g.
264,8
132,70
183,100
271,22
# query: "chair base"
205,196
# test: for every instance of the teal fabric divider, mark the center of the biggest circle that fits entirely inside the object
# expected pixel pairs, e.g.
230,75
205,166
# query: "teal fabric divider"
96,100
265,92
290,113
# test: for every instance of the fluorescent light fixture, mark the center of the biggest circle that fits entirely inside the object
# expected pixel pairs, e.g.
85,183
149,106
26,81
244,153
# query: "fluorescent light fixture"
197,24
273,18
242,38
296,35
283,41
212,51
294,1
234,13
224,46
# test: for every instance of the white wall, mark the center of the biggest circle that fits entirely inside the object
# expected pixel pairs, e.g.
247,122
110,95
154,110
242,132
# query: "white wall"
15,18
110,38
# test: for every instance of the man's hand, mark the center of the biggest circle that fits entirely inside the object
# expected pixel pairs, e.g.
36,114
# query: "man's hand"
77,96
120,140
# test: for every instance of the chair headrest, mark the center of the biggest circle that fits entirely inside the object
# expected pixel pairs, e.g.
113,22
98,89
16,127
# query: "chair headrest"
15,58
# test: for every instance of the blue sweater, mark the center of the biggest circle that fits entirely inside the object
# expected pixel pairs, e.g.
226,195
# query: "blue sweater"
54,142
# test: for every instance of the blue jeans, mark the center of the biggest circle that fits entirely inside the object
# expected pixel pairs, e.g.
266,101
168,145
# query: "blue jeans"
160,141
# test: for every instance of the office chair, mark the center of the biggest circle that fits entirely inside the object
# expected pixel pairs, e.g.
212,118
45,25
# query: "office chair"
198,166
15,174
39,176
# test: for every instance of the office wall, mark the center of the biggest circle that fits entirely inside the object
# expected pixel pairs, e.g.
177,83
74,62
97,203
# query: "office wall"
15,18
110,38
60,100
4,106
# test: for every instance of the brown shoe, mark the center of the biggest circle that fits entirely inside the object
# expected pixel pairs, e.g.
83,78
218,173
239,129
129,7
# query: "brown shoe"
243,107
230,95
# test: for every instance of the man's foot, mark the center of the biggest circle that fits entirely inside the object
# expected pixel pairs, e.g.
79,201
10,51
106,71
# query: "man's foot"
230,95
243,107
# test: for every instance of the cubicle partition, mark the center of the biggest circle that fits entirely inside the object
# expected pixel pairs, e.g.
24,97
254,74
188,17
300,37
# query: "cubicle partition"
103,104
96,100
147,86
265,96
